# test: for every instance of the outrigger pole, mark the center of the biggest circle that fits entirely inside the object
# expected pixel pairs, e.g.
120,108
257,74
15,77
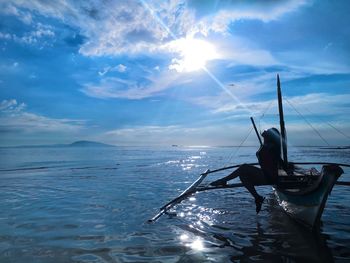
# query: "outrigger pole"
193,189
182,196
283,128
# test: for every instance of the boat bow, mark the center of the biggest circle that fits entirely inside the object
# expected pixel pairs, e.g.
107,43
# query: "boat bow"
306,204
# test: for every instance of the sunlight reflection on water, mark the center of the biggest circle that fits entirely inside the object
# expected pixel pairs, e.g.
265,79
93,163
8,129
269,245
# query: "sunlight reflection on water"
197,244
75,209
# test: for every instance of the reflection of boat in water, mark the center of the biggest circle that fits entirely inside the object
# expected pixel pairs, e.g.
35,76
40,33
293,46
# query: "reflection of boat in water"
272,237
302,193
288,240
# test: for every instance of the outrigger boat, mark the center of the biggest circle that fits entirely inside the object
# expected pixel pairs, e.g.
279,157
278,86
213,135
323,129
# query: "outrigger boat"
302,193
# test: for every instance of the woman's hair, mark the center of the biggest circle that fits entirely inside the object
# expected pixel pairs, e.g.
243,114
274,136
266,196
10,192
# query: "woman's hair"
272,136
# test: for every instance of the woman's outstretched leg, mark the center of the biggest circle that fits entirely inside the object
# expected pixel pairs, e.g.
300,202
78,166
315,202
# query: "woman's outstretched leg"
250,176
244,169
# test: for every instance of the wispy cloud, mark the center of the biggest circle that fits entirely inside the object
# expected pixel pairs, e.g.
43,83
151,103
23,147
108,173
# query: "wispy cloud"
315,107
39,35
11,106
228,12
322,104
307,62
230,133
177,134
113,87
9,9
14,118
119,68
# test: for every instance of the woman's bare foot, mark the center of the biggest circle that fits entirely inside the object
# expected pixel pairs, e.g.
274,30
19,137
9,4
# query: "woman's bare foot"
220,182
258,203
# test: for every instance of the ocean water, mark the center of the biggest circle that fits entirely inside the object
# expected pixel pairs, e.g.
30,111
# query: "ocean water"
91,205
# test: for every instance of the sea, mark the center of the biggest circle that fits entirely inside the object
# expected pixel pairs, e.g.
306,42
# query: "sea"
91,204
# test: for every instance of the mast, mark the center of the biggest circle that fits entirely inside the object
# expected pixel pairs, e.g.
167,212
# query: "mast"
283,129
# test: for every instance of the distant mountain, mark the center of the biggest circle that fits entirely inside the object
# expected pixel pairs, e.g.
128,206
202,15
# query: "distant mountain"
74,144
89,144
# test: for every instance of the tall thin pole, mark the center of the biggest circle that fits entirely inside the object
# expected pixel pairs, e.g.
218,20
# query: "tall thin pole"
256,130
283,129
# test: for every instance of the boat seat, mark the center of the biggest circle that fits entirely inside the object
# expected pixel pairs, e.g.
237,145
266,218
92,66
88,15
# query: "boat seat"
296,180
292,183
300,182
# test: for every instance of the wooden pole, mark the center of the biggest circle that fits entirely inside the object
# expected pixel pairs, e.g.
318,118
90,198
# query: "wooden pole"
190,190
282,126
227,168
256,130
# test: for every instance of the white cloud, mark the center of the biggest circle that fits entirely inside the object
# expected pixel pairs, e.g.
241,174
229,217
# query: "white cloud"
176,134
38,35
227,13
5,36
311,106
104,71
229,133
9,9
302,134
323,104
119,27
224,131
119,68
113,87
14,118
11,106
115,27
242,52
305,61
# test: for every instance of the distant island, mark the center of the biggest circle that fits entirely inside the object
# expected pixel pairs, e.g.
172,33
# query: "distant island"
74,144
89,144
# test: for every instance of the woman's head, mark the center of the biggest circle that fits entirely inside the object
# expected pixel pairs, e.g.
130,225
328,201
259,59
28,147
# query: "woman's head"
272,136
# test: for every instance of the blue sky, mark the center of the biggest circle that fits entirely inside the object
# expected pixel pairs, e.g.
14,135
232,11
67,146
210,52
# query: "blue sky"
173,72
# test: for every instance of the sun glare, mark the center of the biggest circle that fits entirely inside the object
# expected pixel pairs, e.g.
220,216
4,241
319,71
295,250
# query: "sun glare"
194,54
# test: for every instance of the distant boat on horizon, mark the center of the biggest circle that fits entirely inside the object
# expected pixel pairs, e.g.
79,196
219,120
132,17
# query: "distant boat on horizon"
335,148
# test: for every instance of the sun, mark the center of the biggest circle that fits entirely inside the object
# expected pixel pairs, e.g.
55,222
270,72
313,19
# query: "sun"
194,54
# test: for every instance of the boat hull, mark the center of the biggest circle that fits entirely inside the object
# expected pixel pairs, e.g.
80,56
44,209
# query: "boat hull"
307,207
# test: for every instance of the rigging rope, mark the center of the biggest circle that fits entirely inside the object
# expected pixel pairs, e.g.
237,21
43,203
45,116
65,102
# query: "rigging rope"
263,114
330,125
312,127
239,146
233,154
346,136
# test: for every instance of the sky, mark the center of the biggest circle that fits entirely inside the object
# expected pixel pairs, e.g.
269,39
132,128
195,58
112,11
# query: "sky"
173,72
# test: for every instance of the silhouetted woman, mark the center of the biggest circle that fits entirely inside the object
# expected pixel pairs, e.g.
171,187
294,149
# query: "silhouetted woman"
269,156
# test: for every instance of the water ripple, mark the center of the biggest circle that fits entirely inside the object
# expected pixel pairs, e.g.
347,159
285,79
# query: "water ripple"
92,206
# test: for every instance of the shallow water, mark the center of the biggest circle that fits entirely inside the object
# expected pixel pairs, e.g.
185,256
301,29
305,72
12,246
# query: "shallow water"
92,204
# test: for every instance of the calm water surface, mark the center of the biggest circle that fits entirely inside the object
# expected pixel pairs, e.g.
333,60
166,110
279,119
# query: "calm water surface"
92,204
